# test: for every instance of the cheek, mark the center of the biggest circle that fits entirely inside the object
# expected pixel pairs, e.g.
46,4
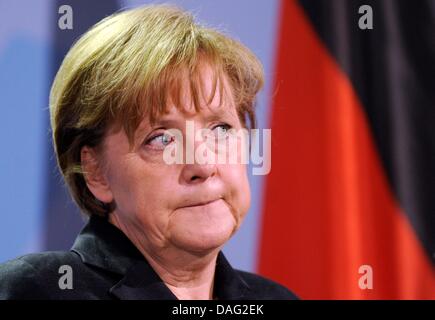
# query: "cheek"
134,188
246,195
237,179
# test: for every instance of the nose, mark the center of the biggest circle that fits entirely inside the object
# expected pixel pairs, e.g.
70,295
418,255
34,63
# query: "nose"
197,173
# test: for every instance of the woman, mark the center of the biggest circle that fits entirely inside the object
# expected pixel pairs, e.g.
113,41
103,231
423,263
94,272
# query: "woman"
155,229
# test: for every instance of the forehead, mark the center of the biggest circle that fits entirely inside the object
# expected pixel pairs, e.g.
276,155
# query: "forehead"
206,94
207,91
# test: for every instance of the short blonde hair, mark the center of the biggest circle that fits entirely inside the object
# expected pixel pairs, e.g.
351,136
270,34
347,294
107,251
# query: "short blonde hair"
123,69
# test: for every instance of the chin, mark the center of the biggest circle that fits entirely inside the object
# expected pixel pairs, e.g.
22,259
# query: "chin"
203,228
200,240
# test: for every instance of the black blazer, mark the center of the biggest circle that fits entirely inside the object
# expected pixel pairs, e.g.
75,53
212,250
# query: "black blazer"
106,265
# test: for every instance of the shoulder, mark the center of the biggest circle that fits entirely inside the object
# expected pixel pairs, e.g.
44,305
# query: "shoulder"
33,276
263,288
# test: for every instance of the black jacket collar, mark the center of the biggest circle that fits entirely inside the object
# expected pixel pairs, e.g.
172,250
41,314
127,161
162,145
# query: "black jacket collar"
103,245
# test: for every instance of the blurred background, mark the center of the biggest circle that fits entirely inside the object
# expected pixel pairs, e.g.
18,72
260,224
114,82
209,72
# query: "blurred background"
348,209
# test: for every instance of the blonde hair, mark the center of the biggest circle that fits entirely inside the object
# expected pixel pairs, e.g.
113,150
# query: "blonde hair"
124,68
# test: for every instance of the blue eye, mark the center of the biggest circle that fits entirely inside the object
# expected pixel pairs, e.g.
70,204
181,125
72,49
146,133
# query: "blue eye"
160,141
221,130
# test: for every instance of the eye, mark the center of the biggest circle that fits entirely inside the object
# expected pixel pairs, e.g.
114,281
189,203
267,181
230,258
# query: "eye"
160,141
221,130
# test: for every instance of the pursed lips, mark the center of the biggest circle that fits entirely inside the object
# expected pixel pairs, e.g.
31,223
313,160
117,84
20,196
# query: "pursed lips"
202,203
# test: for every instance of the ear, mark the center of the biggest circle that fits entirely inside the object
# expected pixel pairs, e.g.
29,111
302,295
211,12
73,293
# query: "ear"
94,175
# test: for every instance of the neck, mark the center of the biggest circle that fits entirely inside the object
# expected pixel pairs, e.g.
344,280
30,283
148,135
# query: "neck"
192,280
190,276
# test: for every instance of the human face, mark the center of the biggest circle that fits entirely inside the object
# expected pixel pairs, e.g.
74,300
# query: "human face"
192,207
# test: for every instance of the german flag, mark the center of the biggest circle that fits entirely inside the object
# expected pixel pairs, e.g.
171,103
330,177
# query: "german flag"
349,207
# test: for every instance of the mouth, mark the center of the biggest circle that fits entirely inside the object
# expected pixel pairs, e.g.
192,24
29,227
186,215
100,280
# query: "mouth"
201,203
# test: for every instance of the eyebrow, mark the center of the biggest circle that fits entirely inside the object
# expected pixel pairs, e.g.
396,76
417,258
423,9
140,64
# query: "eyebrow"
212,115
170,122
167,121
